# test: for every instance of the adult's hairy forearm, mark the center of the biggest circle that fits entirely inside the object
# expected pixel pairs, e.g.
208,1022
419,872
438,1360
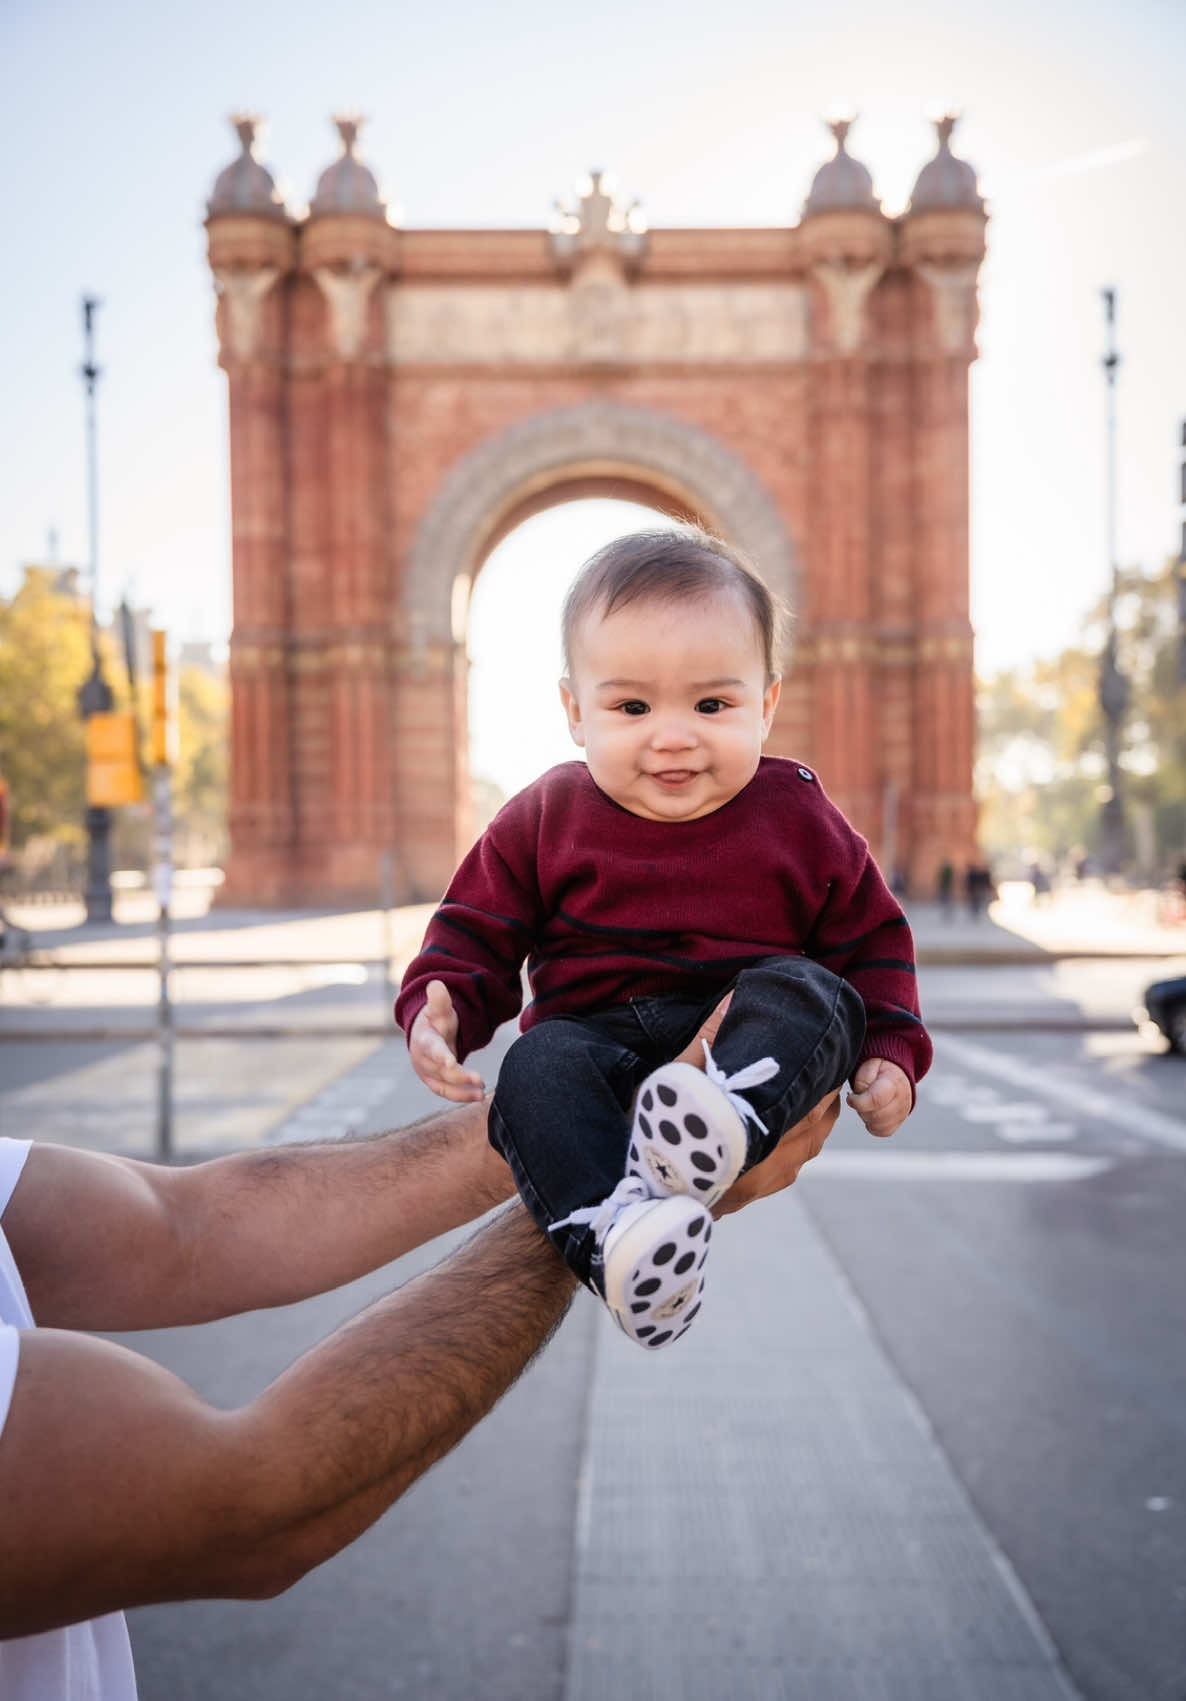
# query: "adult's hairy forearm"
109,1243
119,1487
450,1342
268,1228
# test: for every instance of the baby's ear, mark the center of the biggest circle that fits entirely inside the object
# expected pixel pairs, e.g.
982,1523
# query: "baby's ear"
572,709
770,702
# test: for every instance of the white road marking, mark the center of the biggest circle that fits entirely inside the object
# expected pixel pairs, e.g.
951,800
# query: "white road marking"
1037,1133
888,1165
1024,1112
1123,1113
1021,1122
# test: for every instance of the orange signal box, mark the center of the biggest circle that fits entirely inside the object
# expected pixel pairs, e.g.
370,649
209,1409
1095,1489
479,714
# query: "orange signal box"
164,719
113,775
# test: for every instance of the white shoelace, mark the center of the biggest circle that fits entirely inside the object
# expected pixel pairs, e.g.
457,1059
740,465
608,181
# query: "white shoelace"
751,1076
631,1190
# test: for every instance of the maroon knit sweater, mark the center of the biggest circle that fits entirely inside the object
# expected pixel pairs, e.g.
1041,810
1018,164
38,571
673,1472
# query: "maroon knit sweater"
606,906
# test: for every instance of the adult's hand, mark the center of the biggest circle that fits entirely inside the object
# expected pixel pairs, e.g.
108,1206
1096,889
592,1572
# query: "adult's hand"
693,1052
797,1147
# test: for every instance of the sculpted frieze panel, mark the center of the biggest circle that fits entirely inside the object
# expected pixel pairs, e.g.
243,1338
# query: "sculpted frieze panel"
244,291
956,307
492,325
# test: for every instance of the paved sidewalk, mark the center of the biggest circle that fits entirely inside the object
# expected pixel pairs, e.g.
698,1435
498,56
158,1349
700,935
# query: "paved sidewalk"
768,1516
1077,921
328,1014
233,1088
1080,920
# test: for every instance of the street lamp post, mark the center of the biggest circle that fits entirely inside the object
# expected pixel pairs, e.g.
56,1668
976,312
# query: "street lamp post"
1113,687
1182,571
95,697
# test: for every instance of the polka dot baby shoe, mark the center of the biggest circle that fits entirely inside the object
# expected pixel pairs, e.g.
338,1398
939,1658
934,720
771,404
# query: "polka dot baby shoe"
687,1136
654,1254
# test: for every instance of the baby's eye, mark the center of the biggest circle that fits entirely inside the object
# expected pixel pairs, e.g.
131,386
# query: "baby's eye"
633,707
710,705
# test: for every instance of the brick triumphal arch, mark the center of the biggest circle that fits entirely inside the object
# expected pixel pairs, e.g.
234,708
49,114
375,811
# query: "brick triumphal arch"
401,399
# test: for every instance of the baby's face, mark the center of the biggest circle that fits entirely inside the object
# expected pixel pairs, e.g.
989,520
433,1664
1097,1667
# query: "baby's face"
670,703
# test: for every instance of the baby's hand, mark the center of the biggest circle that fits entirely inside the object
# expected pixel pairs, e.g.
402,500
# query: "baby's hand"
432,1046
881,1096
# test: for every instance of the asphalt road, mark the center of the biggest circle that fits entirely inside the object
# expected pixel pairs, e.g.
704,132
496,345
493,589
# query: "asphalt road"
1018,1250
1039,1323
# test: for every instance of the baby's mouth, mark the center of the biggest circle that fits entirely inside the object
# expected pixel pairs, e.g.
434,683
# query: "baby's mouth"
675,776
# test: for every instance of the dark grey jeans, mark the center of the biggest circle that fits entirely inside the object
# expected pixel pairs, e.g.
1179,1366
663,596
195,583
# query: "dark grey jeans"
562,1108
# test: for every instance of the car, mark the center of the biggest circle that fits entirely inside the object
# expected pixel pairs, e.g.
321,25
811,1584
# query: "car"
1165,1007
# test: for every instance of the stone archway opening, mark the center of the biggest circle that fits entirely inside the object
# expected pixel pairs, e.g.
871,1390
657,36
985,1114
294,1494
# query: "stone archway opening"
597,449
516,726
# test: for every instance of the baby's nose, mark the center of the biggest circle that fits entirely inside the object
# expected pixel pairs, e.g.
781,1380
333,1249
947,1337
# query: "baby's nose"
674,732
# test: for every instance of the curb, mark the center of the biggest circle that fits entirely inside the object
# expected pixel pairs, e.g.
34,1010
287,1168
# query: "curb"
387,1030
955,957
932,956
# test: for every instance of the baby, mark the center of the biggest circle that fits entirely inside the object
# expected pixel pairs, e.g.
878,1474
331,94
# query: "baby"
678,865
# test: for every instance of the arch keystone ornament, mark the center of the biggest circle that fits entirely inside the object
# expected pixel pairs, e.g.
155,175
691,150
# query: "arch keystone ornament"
400,399
598,226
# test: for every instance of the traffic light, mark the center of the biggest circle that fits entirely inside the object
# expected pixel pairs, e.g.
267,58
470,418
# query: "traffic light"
113,775
164,721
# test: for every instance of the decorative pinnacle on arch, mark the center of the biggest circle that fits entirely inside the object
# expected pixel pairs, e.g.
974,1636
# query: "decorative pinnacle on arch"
247,126
348,185
842,182
246,186
598,222
349,129
946,181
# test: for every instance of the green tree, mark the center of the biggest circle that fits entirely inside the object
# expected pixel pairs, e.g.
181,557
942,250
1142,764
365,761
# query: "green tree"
201,781
1157,724
1041,762
45,655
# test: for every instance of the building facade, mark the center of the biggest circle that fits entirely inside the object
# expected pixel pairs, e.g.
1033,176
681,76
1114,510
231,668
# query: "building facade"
401,399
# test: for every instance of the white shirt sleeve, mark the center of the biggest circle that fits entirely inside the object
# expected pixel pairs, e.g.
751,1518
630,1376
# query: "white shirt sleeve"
12,1161
10,1346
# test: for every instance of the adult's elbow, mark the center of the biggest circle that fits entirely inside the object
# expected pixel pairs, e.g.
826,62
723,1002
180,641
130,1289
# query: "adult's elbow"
270,1579
258,1572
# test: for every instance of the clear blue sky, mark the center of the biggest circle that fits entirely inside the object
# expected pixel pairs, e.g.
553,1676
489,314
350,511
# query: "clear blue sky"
116,127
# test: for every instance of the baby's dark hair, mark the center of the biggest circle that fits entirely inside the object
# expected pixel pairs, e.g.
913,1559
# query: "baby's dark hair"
670,566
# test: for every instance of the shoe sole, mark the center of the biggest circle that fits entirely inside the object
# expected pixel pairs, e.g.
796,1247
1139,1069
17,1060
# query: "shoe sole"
686,1136
654,1271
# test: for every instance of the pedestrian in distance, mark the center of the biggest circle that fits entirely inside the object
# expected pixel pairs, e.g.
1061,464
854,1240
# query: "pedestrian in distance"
119,1487
679,865
977,888
945,890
